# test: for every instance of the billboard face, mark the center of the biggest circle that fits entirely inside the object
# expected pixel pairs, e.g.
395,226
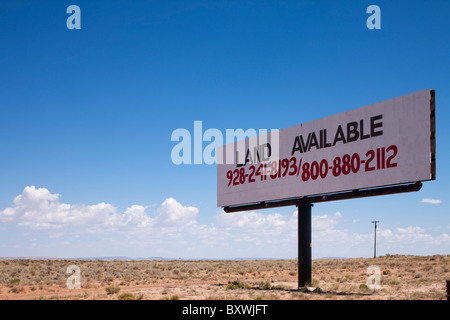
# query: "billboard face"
382,144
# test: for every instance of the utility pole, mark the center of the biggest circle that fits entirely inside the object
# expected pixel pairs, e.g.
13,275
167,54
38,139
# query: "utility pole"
375,240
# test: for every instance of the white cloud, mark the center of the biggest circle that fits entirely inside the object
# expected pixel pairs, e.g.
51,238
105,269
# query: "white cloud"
252,221
174,226
172,213
325,222
432,201
410,230
410,238
38,208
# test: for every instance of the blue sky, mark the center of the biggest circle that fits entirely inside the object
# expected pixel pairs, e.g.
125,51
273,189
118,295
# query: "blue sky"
86,118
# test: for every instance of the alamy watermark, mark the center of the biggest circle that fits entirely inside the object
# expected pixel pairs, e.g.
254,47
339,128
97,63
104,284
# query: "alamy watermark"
74,20
239,147
374,21
74,281
374,280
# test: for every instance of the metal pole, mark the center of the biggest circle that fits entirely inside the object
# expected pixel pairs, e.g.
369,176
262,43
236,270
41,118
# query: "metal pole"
304,244
375,240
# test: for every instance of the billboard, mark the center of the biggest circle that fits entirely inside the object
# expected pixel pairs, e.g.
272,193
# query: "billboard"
382,144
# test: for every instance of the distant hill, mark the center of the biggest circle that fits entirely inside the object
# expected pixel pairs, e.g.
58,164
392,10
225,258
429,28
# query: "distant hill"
110,258
86,258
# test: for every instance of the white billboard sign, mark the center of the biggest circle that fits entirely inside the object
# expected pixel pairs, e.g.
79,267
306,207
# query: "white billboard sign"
386,143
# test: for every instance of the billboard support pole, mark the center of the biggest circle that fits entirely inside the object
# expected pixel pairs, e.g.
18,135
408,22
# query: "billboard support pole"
304,244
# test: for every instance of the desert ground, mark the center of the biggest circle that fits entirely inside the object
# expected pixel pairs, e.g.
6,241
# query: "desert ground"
401,278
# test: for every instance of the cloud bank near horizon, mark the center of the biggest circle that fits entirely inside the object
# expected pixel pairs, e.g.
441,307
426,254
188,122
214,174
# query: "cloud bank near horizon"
173,230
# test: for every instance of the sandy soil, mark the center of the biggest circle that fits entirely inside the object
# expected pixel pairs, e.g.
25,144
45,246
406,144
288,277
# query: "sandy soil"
401,277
